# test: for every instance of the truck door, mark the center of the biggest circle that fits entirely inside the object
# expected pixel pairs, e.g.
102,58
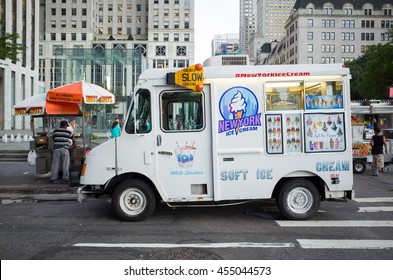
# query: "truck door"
184,153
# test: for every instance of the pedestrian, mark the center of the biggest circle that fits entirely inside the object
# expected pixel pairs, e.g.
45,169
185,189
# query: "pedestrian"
377,142
115,129
119,122
62,139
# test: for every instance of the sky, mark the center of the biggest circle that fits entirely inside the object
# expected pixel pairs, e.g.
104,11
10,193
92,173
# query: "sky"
213,17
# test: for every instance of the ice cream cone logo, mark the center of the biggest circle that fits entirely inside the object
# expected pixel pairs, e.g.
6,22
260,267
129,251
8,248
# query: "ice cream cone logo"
238,108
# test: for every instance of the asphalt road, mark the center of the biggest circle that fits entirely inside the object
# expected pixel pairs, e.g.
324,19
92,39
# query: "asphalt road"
39,226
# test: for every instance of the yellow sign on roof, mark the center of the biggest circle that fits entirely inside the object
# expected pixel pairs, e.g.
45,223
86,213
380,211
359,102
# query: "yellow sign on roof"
190,77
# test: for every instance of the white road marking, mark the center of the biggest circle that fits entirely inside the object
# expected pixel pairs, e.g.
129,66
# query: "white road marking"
374,199
188,245
345,244
376,209
335,223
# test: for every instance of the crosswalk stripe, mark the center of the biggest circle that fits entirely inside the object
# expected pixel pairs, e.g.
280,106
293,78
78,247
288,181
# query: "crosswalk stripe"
335,223
376,209
188,245
374,199
344,244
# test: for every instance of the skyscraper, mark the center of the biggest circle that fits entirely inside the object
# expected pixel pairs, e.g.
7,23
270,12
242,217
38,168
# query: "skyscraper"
248,9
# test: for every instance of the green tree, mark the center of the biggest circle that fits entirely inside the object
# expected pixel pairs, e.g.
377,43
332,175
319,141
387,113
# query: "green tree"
373,72
9,48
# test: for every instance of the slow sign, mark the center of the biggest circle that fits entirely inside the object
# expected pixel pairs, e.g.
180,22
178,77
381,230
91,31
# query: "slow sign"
190,77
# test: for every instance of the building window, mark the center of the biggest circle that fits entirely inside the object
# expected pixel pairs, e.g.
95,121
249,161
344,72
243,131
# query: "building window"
387,12
63,24
155,37
73,36
166,37
310,48
310,23
73,11
63,36
181,51
348,11
368,24
186,37
53,23
310,35
160,63
63,12
310,60
176,37
186,25
53,12
367,36
328,11
73,23
57,49
368,12
83,35
180,63
160,50
53,36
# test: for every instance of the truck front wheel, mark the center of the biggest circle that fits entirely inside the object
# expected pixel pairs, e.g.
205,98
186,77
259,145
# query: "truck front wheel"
133,200
298,199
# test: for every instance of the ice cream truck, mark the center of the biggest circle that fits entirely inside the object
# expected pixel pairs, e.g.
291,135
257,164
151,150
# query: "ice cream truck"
219,135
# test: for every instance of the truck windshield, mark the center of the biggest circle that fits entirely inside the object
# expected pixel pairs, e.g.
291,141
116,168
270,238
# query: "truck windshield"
139,120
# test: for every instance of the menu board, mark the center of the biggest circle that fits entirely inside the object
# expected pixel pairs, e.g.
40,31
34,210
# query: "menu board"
274,134
324,132
293,133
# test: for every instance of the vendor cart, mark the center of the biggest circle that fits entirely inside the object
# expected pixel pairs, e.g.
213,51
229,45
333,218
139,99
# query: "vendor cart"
364,116
58,104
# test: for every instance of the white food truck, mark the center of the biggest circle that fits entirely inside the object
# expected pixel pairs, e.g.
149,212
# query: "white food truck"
216,135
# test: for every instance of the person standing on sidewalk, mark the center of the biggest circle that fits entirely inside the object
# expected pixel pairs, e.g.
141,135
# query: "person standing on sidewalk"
377,142
62,139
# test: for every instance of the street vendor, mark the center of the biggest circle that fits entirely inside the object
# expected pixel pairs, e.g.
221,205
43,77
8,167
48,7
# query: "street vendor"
61,155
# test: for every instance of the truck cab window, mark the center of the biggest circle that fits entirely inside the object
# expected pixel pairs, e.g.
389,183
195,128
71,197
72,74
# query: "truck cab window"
284,96
182,111
139,120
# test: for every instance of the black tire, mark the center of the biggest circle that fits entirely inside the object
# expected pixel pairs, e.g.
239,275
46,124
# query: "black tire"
359,167
133,200
298,199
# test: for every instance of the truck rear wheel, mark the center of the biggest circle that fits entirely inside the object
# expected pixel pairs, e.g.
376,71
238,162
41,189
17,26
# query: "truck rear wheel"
359,166
298,199
133,200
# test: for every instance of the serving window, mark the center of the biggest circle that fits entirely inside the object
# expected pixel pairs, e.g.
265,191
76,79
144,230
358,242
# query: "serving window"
324,95
284,96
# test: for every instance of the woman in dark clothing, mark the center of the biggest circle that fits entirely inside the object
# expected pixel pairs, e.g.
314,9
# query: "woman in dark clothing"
377,143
